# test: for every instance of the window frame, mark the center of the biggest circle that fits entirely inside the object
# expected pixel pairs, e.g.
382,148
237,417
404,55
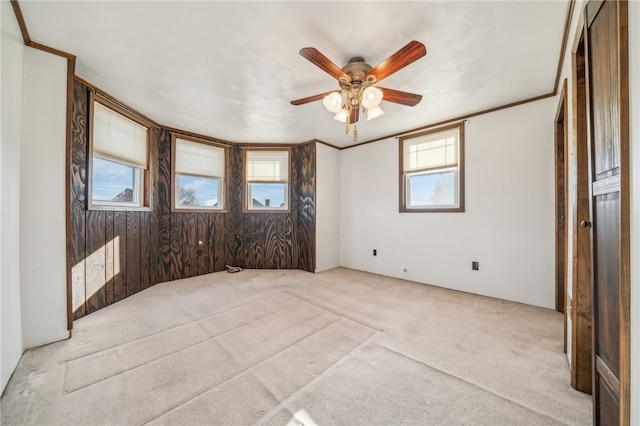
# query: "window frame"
174,176
245,203
144,175
404,176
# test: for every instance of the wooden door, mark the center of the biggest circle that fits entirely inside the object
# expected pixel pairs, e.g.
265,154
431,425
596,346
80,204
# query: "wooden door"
608,102
581,306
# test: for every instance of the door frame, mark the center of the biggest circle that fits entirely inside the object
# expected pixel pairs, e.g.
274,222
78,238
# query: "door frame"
560,136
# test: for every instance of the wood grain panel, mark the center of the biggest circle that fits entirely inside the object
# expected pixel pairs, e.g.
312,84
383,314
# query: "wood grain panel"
140,249
153,243
146,247
95,261
133,252
234,251
176,266
162,207
189,244
273,250
78,165
119,255
306,209
109,258
253,240
217,240
203,246
285,239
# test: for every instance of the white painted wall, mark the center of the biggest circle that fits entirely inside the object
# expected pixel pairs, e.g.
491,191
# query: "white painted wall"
42,179
11,70
507,226
634,65
327,207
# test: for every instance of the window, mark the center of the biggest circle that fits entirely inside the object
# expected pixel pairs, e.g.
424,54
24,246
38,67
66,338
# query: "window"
199,172
118,160
432,171
267,180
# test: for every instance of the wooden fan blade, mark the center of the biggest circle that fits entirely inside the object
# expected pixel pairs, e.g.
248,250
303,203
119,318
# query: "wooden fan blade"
310,98
399,97
413,51
355,113
318,59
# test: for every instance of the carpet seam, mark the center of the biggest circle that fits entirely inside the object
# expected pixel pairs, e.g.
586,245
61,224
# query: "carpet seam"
470,383
282,404
195,320
245,371
318,305
198,322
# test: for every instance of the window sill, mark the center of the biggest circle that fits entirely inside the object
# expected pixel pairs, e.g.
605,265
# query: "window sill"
285,211
198,210
119,208
433,210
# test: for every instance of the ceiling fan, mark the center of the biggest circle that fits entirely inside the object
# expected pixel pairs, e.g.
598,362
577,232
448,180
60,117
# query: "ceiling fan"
357,78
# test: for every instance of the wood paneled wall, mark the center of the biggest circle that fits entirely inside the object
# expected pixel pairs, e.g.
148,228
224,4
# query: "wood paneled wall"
115,254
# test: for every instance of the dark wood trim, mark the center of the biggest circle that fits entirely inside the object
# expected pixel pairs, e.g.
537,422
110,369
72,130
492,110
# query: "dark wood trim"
565,40
27,39
118,105
625,214
51,50
197,136
328,144
245,192
460,209
561,198
71,65
174,184
21,23
453,120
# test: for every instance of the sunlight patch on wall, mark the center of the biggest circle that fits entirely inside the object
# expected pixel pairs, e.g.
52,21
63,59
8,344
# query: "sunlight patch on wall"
94,271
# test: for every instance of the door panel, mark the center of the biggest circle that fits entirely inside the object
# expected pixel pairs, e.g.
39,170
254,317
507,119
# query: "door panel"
604,94
606,292
609,414
608,118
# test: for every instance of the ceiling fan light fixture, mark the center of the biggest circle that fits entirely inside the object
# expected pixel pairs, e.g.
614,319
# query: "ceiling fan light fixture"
333,102
357,94
342,115
374,112
371,97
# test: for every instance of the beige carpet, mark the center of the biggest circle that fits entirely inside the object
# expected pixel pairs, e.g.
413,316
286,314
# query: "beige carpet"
288,347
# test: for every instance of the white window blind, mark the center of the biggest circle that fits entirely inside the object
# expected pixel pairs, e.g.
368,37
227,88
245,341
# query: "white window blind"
117,138
431,151
199,159
267,166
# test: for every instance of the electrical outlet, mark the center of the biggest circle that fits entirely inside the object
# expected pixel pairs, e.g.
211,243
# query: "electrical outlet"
375,252
475,265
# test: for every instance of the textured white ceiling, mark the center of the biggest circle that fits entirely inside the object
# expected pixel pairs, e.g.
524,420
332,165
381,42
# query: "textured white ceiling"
229,69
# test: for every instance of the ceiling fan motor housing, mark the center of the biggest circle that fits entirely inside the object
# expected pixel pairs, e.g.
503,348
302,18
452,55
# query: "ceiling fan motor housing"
356,69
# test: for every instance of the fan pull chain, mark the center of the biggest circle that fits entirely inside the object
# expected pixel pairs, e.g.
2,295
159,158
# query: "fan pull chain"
355,133
346,125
